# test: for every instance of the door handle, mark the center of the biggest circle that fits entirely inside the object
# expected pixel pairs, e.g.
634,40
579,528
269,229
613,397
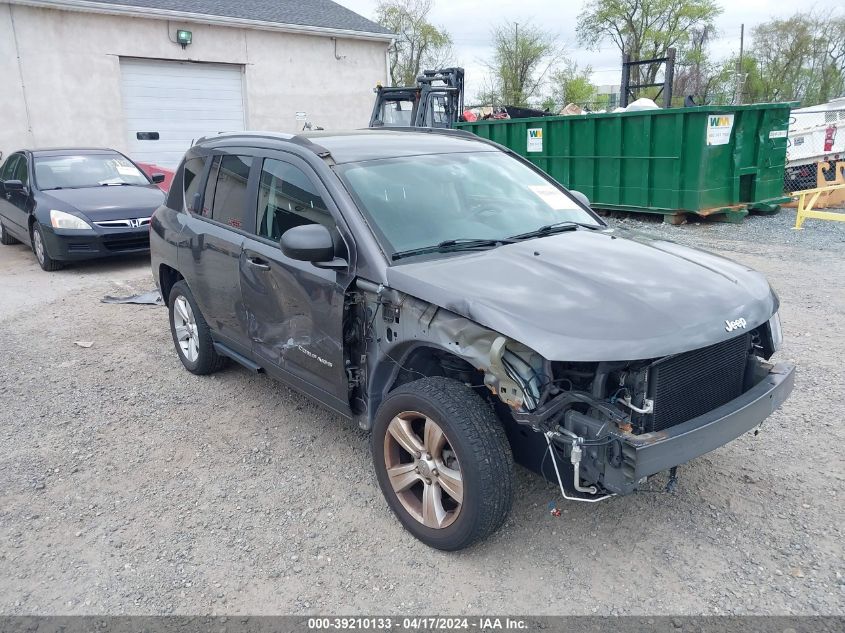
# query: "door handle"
257,262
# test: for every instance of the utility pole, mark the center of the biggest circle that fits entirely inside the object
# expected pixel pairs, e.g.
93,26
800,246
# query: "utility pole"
739,86
515,71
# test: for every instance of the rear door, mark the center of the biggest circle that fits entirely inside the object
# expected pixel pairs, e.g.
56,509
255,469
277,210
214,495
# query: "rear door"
294,309
212,241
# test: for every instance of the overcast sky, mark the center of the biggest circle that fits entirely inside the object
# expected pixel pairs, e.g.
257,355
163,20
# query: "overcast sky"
470,21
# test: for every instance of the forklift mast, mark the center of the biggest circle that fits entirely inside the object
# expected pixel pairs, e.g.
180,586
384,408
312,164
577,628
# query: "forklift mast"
436,101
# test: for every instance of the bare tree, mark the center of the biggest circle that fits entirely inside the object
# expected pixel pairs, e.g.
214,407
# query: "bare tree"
419,45
645,29
523,56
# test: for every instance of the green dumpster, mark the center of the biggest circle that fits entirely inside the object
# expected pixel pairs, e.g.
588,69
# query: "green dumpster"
703,160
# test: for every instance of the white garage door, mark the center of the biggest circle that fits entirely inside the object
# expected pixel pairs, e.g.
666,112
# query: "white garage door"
168,105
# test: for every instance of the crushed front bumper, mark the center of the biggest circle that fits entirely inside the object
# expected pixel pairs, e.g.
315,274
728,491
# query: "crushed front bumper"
622,464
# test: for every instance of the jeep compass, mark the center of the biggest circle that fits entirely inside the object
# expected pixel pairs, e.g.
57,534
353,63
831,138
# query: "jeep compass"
467,310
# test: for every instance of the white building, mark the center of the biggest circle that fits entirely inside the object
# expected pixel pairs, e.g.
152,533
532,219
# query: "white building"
120,73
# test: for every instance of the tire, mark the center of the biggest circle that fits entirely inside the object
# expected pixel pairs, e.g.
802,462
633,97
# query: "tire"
5,237
39,247
189,328
480,455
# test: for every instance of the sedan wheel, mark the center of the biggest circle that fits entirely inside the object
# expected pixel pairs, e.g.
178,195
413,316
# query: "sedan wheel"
40,249
5,238
423,469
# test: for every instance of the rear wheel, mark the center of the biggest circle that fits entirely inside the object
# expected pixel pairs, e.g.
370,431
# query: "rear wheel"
5,238
443,462
191,334
40,249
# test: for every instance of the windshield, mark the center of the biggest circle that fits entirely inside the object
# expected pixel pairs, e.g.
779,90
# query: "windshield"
86,170
417,201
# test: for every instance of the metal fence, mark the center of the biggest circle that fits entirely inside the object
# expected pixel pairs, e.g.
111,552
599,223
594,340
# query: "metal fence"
816,141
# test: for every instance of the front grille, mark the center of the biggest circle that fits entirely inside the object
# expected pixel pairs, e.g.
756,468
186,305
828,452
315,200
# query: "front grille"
691,384
128,243
133,223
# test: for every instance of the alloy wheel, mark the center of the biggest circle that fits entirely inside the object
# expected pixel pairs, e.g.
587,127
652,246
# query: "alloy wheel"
423,469
185,325
38,245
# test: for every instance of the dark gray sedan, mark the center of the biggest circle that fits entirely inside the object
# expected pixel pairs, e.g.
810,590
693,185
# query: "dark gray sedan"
74,204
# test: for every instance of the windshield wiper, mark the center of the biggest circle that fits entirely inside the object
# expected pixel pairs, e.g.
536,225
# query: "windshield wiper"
557,227
116,184
449,246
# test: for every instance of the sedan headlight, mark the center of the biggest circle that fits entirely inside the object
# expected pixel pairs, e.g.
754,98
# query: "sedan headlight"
775,332
62,220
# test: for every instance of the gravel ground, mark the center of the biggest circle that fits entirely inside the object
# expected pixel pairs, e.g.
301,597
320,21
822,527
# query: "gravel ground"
128,486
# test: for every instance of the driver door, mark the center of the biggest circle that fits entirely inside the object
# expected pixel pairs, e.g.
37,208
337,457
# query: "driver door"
15,205
294,309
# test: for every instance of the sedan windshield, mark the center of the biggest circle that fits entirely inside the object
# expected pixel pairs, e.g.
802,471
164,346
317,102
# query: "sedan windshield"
416,202
78,171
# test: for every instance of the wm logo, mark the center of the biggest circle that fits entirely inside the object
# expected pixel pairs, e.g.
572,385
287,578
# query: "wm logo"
719,121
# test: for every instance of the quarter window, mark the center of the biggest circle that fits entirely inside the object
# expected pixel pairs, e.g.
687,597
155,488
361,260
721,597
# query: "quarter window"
191,176
287,197
225,198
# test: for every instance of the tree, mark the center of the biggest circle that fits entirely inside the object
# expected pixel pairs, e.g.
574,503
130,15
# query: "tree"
695,73
644,29
572,84
523,55
419,45
801,58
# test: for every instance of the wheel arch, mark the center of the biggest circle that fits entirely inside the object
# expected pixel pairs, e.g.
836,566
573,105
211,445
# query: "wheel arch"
411,360
167,278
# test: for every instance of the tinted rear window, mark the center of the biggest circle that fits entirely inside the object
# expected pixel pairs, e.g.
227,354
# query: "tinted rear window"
192,175
225,199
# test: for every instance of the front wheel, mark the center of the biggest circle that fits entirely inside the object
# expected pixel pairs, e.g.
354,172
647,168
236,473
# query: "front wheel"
443,462
40,249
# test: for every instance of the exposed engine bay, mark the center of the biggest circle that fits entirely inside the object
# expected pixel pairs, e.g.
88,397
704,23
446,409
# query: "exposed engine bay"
576,423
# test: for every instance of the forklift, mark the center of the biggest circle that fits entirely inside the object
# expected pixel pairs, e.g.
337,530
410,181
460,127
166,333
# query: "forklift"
436,101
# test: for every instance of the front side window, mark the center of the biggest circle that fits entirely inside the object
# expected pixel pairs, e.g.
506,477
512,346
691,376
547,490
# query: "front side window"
191,178
9,167
21,172
226,192
417,201
80,171
287,197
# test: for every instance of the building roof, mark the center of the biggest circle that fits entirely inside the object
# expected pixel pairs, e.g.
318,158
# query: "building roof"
316,14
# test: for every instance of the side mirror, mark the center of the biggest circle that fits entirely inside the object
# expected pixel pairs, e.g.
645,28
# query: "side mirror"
13,185
157,178
308,243
580,197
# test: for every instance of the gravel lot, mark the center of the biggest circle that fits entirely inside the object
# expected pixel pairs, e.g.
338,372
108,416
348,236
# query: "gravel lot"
128,486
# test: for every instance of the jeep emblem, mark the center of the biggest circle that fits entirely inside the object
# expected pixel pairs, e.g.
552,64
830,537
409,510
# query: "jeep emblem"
730,326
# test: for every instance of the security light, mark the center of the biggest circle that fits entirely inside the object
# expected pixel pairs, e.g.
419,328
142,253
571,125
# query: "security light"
183,37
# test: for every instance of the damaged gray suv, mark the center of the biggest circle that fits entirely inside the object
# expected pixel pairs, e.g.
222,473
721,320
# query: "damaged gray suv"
467,310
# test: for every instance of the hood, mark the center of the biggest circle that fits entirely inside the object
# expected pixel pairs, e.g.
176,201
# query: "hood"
107,203
592,296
